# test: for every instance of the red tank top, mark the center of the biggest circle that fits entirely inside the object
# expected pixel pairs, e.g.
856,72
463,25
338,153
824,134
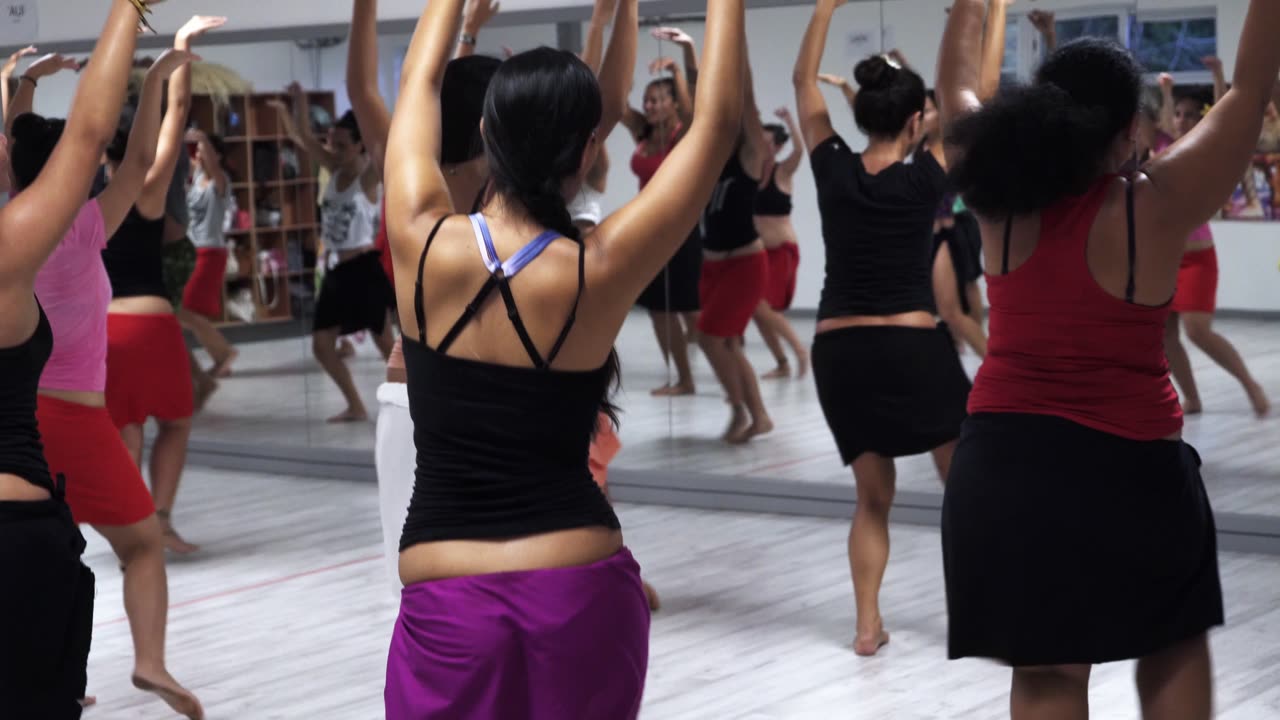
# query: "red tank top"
1061,345
645,166
383,244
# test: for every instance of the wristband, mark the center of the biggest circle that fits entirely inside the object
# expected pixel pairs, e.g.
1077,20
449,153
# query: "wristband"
29,79
467,39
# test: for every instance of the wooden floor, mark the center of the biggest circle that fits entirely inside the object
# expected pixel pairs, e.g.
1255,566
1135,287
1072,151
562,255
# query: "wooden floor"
287,614
279,396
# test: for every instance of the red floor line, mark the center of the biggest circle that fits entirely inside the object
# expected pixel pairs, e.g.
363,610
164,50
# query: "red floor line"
255,586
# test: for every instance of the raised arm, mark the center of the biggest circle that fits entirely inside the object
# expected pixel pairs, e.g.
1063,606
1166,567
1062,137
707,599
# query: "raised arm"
684,102
479,13
173,129
815,120
789,166
754,153
362,81
842,83
1168,104
297,125
127,181
959,65
34,222
593,51
639,239
416,190
618,70
993,48
689,49
1219,76
1046,23
24,97
1192,179
6,77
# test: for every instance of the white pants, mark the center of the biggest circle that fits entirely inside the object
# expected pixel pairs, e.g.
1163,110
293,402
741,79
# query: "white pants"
396,459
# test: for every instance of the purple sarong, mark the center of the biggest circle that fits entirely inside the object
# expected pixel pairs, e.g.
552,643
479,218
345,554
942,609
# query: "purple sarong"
556,644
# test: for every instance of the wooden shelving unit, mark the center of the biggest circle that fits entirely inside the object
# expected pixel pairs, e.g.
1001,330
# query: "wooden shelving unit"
281,207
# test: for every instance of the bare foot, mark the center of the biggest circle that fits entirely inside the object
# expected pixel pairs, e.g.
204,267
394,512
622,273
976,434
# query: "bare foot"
222,369
88,701
869,643
178,697
205,387
679,390
174,543
739,425
652,595
782,372
349,416
760,426
1258,398
802,363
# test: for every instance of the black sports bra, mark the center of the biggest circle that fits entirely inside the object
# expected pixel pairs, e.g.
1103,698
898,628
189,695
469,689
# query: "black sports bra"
728,222
134,258
502,450
771,201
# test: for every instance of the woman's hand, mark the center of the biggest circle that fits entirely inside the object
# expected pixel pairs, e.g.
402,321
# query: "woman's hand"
661,65
836,80
51,64
478,14
675,35
196,27
11,64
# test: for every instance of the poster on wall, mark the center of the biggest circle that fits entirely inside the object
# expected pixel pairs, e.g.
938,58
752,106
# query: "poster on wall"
1258,195
19,23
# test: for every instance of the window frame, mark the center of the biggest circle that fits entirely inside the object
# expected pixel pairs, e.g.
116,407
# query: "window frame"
1184,77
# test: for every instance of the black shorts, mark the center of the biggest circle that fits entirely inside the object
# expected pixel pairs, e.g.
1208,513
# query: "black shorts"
1067,545
676,287
894,391
356,295
46,612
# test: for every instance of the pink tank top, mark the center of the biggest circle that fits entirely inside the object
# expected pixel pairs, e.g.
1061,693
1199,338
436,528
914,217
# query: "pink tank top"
74,289
1202,234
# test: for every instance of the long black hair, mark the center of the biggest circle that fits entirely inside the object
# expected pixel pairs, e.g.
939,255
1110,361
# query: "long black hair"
34,138
1033,145
541,111
888,97
779,133
462,93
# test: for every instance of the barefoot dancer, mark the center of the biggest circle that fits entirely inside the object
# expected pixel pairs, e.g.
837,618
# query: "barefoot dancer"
148,371
1195,301
672,297
510,542
888,376
105,488
1076,528
46,609
355,294
773,222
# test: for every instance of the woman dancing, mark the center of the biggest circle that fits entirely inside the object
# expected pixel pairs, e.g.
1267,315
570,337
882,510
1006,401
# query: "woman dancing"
355,294
509,547
148,372
672,297
888,376
1196,299
208,200
773,222
1076,528
105,488
46,611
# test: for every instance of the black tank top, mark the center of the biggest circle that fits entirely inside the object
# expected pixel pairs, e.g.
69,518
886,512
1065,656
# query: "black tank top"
134,258
727,223
771,201
502,450
21,452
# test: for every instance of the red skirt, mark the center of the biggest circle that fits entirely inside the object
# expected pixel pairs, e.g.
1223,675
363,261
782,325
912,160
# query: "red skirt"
731,290
148,373
203,292
784,261
104,485
1197,282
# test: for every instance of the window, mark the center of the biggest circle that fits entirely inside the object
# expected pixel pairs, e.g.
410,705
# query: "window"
1174,45
1009,67
1104,26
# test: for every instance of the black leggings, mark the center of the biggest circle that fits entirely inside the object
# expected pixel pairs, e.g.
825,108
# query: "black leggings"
46,611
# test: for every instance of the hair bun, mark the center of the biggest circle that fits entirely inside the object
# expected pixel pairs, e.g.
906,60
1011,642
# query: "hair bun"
29,127
874,73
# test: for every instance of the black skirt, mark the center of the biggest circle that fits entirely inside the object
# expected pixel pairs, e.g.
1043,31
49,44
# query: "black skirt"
356,295
675,289
894,391
1067,545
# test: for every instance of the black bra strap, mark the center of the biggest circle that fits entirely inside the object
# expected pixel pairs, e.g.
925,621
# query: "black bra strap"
472,308
1130,288
417,286
573,312
1008,233
513,313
